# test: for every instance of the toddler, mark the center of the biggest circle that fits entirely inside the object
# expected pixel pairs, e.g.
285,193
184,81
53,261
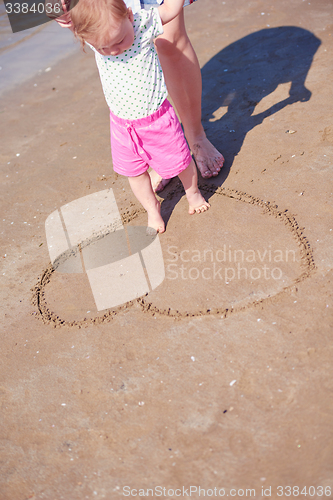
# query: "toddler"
145,130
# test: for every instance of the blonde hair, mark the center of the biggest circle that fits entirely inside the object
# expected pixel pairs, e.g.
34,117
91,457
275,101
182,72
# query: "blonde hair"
92,17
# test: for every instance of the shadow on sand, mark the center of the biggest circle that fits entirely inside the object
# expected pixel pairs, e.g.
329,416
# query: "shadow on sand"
248,70
242,74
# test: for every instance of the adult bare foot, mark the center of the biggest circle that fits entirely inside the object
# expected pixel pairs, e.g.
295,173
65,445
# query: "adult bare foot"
157,182
208,159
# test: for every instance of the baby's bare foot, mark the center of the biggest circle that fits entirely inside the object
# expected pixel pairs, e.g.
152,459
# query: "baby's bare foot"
157,182
208,159
197,203
155,220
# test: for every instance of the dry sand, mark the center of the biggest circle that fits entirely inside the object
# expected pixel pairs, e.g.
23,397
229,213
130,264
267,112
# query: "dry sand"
210,382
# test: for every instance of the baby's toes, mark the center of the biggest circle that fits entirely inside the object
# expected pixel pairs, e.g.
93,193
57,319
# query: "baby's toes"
202,208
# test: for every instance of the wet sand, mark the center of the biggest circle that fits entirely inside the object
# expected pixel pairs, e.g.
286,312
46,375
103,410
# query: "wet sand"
29,53
221,376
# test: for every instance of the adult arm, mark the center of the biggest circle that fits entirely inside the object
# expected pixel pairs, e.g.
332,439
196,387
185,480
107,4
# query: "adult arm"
170,9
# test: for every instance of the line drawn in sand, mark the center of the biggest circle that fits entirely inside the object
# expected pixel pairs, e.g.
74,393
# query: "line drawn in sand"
79,246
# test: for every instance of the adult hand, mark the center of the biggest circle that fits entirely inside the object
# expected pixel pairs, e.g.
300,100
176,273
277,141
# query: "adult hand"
65,20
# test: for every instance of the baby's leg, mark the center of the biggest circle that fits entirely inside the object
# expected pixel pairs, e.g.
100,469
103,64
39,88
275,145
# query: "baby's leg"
189,179
142,189
157,182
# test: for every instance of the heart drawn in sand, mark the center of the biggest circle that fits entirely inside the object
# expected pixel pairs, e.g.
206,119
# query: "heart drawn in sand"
163,298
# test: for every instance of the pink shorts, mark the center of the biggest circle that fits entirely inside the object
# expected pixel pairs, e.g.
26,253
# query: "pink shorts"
156,141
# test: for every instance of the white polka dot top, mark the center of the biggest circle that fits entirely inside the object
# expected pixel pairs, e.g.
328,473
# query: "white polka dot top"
133,82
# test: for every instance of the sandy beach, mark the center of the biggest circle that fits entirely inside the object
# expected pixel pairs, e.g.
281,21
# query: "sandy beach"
221,376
